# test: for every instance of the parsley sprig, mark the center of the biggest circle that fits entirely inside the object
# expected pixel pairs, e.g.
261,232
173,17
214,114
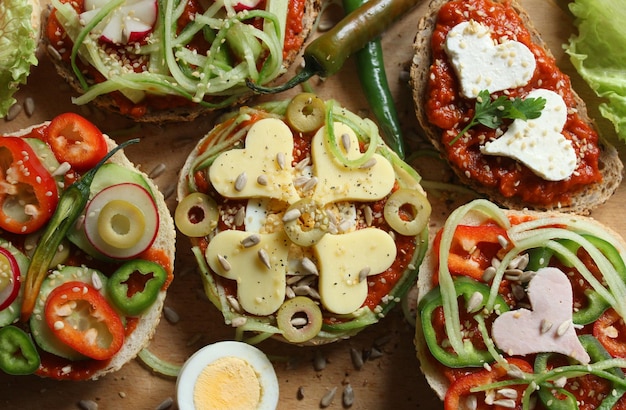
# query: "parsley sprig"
490,113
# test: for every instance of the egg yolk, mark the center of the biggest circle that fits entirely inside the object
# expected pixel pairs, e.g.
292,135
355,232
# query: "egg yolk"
227,383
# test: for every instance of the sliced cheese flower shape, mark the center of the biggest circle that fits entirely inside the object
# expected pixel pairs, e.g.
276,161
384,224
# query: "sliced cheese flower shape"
548,327
481,64
263,168
345,262
338,182
257,262
538,143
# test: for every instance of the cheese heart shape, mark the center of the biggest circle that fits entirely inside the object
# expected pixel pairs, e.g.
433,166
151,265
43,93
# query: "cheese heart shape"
338,182
345,261
262,169
481,64
548,327
538,143
259,269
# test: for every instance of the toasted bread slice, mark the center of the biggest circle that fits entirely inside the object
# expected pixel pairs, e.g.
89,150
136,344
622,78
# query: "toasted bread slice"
580,201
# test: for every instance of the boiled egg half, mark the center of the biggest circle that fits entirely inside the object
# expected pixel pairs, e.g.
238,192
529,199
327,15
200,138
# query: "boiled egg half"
227,375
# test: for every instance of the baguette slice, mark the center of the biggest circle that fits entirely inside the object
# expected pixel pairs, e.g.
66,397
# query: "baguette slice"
165,242
430,367
583,200
186,112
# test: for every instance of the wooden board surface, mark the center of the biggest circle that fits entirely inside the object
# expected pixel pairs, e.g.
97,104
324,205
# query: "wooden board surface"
392,381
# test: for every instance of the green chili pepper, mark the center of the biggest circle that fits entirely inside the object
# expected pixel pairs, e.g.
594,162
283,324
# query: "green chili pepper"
325,55
133,302
470,357
371,71
18,354
70,206
597,353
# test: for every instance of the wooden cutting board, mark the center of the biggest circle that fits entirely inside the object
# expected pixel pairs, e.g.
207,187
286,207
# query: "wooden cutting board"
391,381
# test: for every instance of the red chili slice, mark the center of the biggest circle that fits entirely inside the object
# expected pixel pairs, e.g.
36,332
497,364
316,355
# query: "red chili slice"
28,192
610,330
9,278
82,319
76,140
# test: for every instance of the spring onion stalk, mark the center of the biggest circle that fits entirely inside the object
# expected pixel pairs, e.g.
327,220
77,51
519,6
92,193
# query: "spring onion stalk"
158,365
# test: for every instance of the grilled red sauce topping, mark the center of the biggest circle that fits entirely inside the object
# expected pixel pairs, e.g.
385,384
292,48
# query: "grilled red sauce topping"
448,110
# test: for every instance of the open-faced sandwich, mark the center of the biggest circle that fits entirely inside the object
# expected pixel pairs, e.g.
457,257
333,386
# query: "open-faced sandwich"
491,99
20,31
305,225
161,60
523,309
86,248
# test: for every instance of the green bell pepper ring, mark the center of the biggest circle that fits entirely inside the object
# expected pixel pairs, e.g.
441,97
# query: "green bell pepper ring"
470,357
597,353
123,290
18,354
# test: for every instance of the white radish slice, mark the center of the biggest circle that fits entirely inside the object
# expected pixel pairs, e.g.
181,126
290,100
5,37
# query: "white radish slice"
122,221
130,22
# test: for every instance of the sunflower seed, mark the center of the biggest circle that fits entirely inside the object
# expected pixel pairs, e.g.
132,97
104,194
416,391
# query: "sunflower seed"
54,53
280,159
171,315
224,263
347,397
265,258
508,403
545,326
474,302
240,216
309,266
520,262
251,240
88,405
165,404
374,353
299,321
345,141
518,291
357,358
300,181
14,111
508,393
327,399
289,293
292,215
303,163
241,181
515,372
319,361
262,179
363,273
310,184
368,214
158,170
300,393
368,164
563,327
234,303
29,106
503,241
489,274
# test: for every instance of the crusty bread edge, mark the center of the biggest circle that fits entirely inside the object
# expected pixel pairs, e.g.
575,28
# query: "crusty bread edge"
435,378
611,167
106,102
165,240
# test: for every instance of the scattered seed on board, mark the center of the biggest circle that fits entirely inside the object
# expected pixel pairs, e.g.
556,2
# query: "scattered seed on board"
194,339
88,405
327,399
14,111
300,393
158,170
347,398
375,353
165,404
319,361
29,106
171,315
357,358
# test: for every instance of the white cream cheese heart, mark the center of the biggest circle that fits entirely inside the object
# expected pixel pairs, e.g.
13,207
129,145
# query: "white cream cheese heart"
262,169
546,328
481,64
538,143
338,182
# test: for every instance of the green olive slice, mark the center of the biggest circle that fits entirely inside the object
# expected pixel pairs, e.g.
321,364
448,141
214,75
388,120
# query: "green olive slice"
305,222
196,215
300,319
306,112
407,211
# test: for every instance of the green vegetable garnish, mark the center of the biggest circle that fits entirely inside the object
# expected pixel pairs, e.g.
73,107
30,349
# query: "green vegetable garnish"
599,55
18,43
490,113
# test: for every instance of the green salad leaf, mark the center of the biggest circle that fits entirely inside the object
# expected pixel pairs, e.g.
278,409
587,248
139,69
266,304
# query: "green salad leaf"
18,43
599,54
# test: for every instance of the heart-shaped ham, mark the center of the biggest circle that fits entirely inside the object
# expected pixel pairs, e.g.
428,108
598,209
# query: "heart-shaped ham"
481,64
262,169
538,143
338,182
546,328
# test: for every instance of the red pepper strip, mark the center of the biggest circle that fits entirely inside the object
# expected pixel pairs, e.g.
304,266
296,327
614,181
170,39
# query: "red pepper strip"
82,319
610,330
28,192
461,388
76,140
472,249
9,278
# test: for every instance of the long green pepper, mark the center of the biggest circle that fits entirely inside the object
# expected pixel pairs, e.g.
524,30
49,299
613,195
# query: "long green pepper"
71,204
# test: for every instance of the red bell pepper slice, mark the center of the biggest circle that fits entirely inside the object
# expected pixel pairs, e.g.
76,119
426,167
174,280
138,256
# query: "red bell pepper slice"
461,388
472,249
76,140
28,192
610,330
83,319
9,278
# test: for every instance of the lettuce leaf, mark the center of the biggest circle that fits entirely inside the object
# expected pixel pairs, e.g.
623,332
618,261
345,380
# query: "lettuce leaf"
18,44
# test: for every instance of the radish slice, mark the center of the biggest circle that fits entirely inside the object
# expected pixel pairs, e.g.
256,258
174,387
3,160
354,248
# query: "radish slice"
122,221
131,22
242,5
9,278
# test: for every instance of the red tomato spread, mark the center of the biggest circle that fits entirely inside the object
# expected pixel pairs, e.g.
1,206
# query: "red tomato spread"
448,110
